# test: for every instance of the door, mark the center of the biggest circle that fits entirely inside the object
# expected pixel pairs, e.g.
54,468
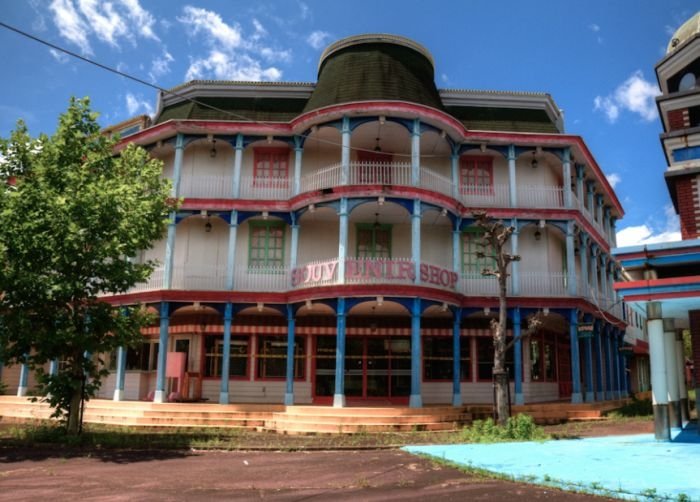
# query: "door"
376,369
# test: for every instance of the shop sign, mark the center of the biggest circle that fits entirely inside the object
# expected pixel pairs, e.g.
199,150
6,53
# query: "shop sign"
585,330
373,271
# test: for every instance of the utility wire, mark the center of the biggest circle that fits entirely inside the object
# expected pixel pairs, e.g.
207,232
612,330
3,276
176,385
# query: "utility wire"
121,73
176,94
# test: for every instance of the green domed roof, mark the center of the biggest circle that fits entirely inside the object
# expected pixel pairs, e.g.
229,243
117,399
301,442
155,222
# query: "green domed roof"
687,31
375,68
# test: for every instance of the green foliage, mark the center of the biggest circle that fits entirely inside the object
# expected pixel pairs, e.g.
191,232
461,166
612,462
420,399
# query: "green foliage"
518,428
635,408
3,388
72,213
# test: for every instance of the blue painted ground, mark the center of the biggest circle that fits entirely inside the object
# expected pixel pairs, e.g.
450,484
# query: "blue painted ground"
631,467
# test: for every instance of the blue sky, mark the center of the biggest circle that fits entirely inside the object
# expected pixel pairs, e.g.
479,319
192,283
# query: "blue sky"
596,58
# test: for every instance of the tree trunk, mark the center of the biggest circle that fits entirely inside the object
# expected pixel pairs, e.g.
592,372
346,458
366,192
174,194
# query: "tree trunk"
500,375
76,399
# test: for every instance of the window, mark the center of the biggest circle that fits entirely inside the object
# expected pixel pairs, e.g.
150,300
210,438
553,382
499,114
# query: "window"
484,349
476,175
272,357
271,167
266,244
373,240
475,255
437,358
542,360
213,356
144,357
375,168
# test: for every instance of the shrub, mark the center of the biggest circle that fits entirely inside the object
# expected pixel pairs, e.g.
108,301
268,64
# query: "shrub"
518,428
635,408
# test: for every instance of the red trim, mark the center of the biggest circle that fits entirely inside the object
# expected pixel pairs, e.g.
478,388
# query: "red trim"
656,254
661,296
655,283
305,121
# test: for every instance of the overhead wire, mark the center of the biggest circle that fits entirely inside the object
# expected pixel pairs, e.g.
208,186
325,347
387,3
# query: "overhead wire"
170,92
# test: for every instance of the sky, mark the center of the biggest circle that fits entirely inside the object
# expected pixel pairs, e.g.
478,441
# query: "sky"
595,57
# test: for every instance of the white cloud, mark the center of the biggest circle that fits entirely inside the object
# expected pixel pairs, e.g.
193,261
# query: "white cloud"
225,67
143,19
635,95
233,55
613,179
647,234
304,11
607,106
78,20
594,27
59,56
105,22
134,105
198,21
70,25
317,39
160,66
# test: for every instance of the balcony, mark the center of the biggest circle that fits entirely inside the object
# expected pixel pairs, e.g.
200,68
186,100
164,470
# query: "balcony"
321,273
373,174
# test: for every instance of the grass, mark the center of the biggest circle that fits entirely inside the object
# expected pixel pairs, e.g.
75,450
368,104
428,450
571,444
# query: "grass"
518,428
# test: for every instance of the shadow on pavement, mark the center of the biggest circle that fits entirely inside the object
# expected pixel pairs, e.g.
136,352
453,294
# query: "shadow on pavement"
10,454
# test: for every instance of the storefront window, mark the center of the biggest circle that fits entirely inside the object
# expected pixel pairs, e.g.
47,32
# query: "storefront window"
484,348
272,357
438,361
213,356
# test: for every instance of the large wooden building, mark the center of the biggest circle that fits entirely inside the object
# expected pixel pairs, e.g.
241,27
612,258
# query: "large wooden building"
325,251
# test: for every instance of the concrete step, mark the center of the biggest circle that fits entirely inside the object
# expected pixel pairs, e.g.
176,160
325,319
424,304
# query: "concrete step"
372,419
288,427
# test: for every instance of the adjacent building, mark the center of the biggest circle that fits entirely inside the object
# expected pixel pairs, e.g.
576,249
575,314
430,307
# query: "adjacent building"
665,277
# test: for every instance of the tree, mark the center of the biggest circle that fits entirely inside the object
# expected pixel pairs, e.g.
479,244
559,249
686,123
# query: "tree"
72,215
494,238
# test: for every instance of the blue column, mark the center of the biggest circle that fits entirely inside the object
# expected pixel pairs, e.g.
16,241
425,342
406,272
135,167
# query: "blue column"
588,370
512,182
339,396
454,171
613,232
53,366
237,163
23,380
416,399
615,339
231,251
177,165
580,172
160,394
576,396
415,238
609,364
345,152
226,356
514,265
298,151
606,222
169,252
566,177
603,299
590,197
415,153
599,208
583,253
518,357
599,360
289,391
121,371
456,357
294,245
592,291
342,239
570,260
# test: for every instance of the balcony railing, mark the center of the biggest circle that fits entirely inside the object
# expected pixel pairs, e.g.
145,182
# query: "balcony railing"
206,186
378,173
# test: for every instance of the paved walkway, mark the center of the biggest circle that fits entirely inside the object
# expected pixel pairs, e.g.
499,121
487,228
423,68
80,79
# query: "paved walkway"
631,467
